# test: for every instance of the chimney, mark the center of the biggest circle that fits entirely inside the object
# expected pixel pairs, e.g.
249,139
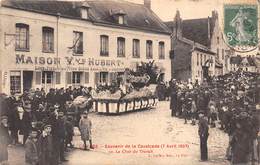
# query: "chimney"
214,14
178,25
209,28
147,4
74,5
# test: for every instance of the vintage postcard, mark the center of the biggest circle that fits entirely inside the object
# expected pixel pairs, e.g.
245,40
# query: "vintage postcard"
129,82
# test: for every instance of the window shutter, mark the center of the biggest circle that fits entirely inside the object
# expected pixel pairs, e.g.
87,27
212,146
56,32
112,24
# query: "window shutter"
38,76
97,78
86,77
68,77
57,77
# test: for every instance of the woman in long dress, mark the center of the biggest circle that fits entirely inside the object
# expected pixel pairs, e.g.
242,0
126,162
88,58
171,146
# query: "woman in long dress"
85,130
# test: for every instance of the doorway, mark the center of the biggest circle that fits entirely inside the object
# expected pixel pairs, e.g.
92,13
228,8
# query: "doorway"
27,80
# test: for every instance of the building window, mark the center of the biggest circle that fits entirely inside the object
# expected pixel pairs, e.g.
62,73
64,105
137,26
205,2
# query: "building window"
86,77
223,54
47,39
22,37
76,77
149,49
120,47
198,59
218,53
47,77
103,77
58,78
15,81
77,43
161,50
104,43
136,48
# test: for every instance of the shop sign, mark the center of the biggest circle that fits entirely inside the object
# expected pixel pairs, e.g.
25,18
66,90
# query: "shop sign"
70,63
79,69
22,59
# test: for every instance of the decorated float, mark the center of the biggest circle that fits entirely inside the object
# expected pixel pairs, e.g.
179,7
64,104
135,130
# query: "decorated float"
117,103
133,91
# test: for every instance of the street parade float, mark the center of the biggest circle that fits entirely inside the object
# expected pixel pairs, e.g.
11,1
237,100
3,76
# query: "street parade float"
136,92
116,103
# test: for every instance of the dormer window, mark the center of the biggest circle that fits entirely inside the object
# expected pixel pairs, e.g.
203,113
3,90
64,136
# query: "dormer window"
121,19
119,16
84,13
84,10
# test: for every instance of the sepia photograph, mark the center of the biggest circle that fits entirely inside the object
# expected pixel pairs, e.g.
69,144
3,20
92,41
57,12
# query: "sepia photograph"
129,82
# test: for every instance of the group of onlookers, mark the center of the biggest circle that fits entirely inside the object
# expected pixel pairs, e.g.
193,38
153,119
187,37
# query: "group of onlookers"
229,100
46,122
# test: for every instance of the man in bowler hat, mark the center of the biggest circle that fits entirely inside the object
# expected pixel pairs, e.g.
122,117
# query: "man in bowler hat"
203,133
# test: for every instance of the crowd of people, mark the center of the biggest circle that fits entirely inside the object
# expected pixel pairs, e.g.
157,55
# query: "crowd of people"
46,122
229,100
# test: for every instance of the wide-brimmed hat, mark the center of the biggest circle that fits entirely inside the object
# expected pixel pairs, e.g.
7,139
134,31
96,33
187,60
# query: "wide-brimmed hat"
52,109
243,115
3,117
200,113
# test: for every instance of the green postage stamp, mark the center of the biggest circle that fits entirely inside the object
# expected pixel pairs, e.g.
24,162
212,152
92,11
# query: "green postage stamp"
241,26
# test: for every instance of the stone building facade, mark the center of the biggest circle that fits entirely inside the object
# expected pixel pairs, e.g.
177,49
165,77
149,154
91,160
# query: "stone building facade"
53,44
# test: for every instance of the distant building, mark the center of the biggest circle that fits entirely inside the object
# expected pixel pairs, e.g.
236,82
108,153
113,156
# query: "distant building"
247,64
197,42
53,44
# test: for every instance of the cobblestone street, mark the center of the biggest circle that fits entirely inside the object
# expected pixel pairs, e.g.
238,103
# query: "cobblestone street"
177,142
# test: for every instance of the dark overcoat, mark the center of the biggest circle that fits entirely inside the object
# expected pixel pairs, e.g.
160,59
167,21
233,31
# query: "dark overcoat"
45,150
241,147
31,152
173,95
4,141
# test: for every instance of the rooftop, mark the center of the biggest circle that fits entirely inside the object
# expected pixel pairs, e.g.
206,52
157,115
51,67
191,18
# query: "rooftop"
250,60
137,15
196,29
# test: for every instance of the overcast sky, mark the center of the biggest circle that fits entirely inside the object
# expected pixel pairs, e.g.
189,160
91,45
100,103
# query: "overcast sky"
189,9
166,9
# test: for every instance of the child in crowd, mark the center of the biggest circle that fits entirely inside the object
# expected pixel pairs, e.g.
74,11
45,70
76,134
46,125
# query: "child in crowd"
31,150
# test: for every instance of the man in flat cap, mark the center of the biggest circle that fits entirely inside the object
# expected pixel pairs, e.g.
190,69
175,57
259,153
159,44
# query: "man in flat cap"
45,146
